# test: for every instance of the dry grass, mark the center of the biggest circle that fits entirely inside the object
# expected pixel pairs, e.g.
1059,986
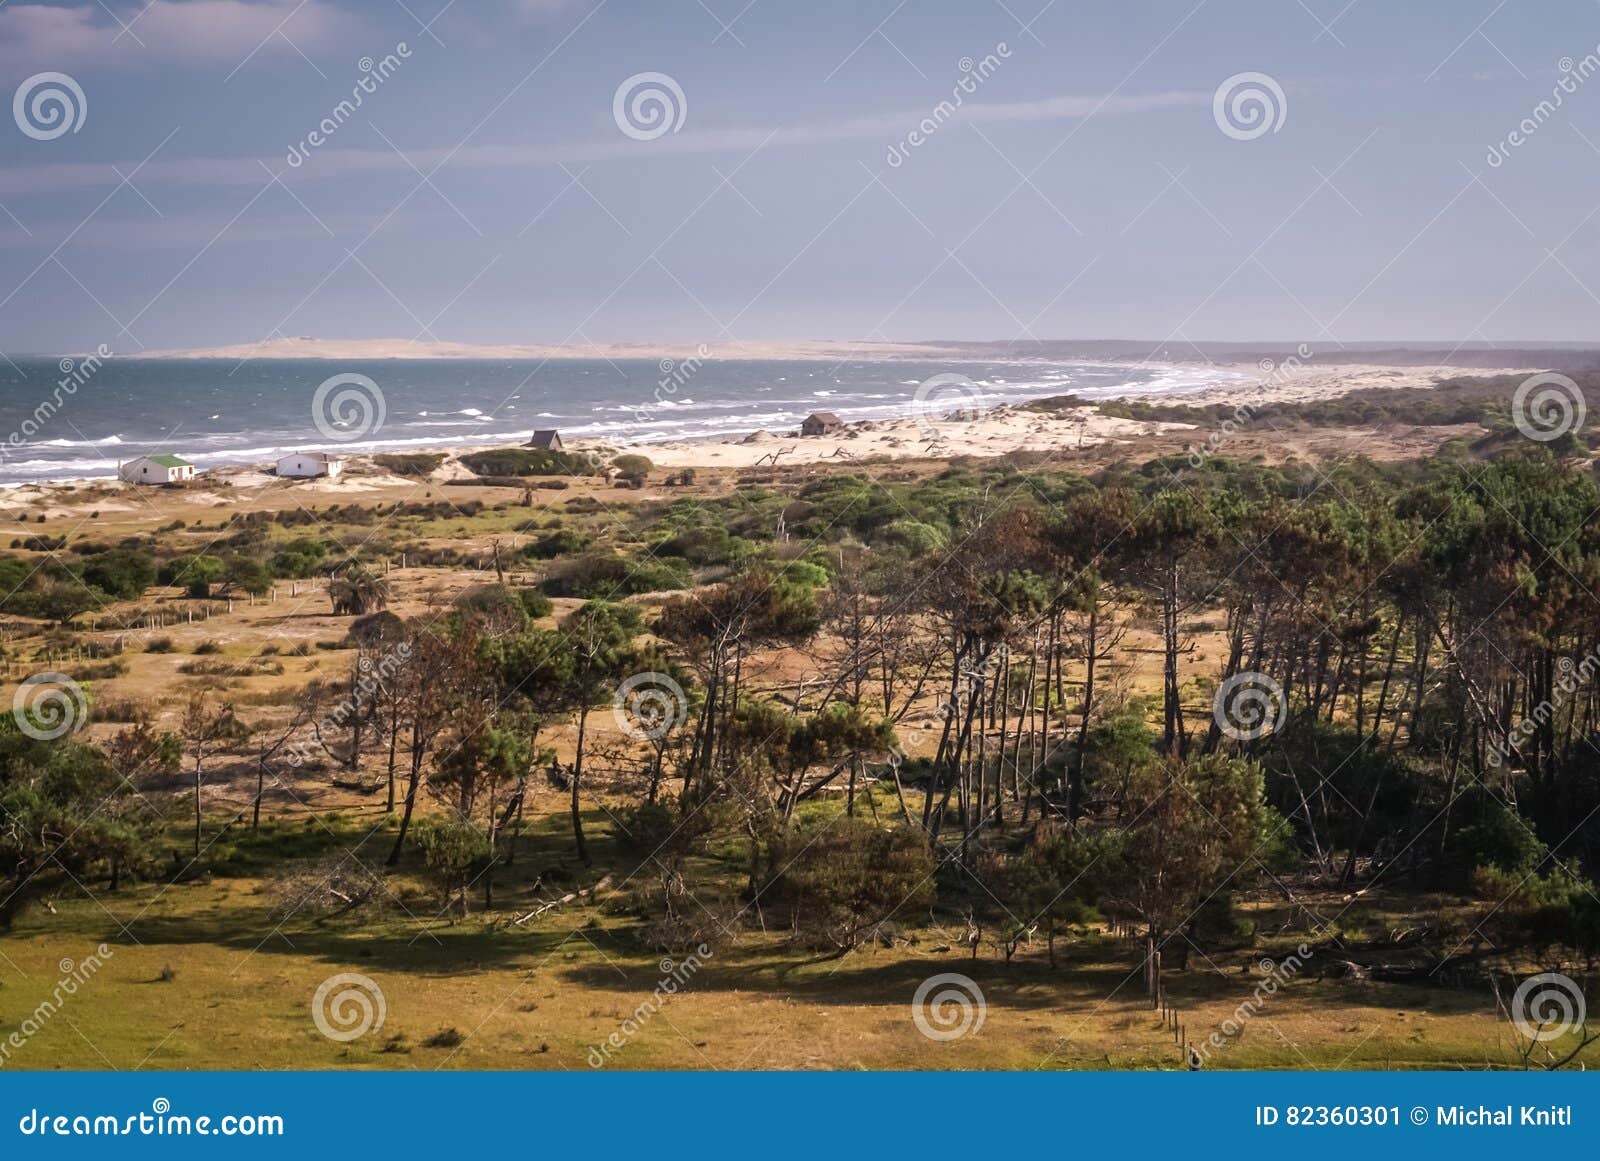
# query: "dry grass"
208,974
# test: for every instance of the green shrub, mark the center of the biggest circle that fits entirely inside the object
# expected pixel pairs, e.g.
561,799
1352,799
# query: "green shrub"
195,573
633,470
410,463
454,852
527,461
842,877
121,574
604,575
706,544
917,538
298,558
534,603
561,542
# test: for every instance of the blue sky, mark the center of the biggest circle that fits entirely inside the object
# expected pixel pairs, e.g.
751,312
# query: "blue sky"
485,193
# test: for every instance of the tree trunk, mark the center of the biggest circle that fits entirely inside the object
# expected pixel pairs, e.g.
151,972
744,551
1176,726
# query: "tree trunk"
577,778
198,759
261,778
411,799
394,735
353,760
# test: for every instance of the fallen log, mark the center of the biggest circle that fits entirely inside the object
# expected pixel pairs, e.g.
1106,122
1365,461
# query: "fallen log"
569,897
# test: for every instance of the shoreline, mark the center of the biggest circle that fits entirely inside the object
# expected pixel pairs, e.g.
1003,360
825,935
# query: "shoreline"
1169,380
645,423
1006,428
1014,428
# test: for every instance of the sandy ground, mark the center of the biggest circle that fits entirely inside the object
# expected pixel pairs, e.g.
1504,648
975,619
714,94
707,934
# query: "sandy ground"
1004,429
1285,382
1007,429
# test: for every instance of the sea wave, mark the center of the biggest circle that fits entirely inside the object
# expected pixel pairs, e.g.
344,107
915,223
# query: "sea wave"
427,411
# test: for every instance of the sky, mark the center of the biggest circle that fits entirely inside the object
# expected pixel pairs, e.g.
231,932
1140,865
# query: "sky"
870,169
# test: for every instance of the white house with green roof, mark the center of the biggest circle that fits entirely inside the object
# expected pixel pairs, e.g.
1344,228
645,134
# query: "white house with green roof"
155,470
310,464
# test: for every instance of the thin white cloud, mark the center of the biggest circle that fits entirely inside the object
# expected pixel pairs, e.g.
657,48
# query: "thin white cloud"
544,9
139,231
36,36
330,164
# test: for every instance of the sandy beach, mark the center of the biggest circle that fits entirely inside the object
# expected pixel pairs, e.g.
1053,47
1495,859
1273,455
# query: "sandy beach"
994,432
1011,429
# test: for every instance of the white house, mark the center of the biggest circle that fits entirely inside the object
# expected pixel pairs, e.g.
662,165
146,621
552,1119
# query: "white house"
155,470
305,464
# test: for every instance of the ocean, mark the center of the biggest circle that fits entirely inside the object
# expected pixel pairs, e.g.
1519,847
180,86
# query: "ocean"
75,419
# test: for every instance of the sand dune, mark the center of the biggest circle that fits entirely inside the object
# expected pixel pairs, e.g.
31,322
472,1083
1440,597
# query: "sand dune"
356,350
1008,429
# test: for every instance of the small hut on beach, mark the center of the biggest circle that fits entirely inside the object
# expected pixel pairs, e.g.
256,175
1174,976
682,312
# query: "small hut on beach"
821,423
